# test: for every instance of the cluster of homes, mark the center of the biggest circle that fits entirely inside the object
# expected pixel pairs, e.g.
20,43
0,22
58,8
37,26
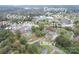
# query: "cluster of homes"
24,28
65,22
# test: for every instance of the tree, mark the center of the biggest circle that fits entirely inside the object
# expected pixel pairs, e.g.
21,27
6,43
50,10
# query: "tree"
38,30
6,34
23,40
17,34
74,48
40,33
61,41
12,42
41,27
76,22
6,39
33,29
33,49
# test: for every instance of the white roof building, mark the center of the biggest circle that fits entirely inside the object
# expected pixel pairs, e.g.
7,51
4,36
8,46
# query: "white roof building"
66,23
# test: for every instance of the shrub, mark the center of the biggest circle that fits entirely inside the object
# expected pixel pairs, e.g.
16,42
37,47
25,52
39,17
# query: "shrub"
23,40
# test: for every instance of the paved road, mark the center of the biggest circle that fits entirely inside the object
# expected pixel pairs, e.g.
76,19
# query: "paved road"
35,41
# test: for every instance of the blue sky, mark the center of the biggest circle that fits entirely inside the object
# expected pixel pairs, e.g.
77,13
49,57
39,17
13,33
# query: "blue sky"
39,2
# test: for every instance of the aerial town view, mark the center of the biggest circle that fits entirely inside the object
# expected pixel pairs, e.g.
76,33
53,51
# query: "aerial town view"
39,29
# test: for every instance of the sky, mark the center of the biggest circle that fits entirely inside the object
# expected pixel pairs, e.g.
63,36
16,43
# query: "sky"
39,2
